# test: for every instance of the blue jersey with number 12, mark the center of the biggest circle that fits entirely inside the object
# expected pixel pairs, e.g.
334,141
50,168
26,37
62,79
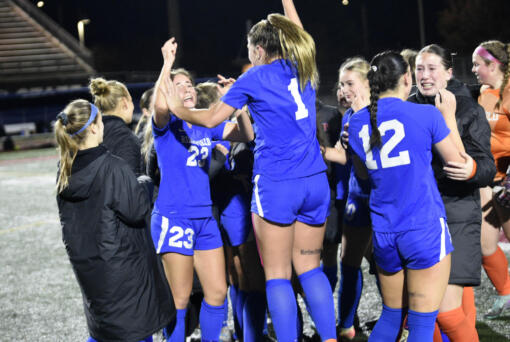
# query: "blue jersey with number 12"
286,146
404,193
183,160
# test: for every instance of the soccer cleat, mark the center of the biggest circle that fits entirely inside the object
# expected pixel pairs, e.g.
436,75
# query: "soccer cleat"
347,334
501,304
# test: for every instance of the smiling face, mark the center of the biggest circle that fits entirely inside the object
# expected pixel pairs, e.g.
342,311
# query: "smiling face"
351,84
431,75
483,71
186,91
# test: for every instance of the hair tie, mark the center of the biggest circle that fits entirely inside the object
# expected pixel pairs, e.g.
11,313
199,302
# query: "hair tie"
482,52
93,114
62,116
374,68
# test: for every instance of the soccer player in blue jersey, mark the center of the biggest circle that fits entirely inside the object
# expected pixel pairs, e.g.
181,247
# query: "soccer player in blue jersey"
356,231
183,229
291,193
392,142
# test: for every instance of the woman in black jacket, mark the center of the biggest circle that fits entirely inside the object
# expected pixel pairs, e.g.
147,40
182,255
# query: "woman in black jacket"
459,187
115,103
102,212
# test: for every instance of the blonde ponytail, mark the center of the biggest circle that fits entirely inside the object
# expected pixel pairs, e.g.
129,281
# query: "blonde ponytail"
280,37
69,137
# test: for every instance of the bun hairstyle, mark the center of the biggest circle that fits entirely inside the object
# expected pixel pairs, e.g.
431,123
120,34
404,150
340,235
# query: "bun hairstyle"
385,72
280,37
107,94
70,134
501,52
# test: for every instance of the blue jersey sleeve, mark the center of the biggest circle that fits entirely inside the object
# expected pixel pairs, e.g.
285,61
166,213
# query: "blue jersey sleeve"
242,90
438,127
161,131
217,132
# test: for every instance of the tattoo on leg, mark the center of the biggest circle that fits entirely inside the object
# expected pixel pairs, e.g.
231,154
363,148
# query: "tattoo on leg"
311,251
416,294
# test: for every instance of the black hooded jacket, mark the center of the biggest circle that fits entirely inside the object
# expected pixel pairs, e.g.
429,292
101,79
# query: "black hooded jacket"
103,217
122,142
462,198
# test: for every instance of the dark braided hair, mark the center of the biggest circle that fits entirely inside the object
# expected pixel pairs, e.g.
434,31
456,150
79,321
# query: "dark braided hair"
386,70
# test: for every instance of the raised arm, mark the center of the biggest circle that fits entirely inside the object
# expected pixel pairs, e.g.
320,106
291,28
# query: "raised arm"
161,109
210,117
242,130
290,12
456,170
447,105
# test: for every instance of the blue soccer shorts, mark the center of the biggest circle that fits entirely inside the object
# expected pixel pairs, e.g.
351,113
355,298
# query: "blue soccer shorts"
412,249
238,228
304,199
184,235
235,220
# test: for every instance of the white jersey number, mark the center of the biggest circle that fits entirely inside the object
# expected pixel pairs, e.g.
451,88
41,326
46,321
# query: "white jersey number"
197,157
386,161
293,87
178,233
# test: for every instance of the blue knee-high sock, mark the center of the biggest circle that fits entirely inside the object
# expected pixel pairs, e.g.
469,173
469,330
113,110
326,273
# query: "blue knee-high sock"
178,334
320,301
331,273
349,294
421,326
283,309
388,325
254,313
211,319
444,337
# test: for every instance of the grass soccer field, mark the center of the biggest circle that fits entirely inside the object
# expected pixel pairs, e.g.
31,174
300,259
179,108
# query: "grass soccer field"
39,297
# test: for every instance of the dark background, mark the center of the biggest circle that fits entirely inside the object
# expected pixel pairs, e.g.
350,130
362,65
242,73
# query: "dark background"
126,35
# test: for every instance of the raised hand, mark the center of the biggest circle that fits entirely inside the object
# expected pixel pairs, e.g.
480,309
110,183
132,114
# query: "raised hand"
446,103
224,84
360,100
172,98
169,50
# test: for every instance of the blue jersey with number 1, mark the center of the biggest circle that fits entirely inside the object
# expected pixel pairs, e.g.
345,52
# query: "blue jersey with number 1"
404,192
286,144
183,160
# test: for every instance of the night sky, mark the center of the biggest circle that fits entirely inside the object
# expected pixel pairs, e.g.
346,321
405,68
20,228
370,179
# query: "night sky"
126,35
